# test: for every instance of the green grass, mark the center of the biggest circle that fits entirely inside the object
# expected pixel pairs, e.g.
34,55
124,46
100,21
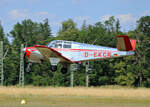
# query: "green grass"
72,101
11,98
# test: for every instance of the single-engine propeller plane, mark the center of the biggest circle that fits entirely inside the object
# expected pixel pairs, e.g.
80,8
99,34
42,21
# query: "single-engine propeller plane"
67,52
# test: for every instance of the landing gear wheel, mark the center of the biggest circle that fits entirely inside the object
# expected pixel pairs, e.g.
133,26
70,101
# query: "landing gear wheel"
54,68
64,70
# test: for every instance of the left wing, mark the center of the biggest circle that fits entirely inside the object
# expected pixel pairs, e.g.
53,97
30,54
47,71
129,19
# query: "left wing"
48,53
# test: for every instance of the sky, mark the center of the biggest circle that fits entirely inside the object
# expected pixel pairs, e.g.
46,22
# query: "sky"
127,11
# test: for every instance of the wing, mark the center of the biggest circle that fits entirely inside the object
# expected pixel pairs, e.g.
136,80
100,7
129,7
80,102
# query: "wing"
48,52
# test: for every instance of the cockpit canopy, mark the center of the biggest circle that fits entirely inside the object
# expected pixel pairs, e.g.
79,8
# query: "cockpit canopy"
60,44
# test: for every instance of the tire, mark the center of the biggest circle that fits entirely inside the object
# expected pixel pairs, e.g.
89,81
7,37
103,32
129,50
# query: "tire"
53,68
64,70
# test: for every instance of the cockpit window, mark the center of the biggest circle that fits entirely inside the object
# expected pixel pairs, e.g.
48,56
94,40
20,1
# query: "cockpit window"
67,46
59,44
55,44
51,45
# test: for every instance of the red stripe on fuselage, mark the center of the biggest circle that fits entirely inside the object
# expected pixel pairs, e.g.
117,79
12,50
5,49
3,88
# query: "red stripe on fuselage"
78,50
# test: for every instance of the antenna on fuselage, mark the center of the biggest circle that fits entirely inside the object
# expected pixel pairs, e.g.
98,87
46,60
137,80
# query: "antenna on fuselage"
94,41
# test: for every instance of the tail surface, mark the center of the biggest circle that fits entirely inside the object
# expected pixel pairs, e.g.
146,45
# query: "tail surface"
125,44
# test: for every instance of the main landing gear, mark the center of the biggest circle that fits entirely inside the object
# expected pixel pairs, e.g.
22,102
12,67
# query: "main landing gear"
53,68
63,70
54,62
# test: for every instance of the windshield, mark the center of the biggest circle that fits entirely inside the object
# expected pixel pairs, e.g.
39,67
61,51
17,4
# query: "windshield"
59,44
55,44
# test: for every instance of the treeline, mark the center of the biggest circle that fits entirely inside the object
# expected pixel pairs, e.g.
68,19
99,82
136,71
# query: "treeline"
129,71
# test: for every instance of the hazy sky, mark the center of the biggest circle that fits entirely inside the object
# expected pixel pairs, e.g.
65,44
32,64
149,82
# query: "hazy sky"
128,11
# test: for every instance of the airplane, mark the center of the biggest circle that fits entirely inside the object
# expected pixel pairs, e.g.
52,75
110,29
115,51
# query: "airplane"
68,52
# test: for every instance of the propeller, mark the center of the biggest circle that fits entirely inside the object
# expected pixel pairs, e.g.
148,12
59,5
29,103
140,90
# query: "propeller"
29,64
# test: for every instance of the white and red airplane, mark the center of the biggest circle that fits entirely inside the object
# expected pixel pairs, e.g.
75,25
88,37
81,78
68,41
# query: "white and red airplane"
67,52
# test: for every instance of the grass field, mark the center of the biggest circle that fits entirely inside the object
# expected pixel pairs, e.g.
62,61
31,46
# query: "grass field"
74,97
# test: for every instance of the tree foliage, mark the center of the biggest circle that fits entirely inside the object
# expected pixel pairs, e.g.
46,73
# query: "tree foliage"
130,71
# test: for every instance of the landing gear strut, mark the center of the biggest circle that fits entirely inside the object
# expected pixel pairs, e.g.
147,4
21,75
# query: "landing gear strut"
54,61
64,68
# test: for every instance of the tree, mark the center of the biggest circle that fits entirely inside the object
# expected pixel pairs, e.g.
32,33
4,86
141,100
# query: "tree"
44,32
29,33
110,24
117,26
69,24
130,71
144,25
84,26
1,33
68,31
143,58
